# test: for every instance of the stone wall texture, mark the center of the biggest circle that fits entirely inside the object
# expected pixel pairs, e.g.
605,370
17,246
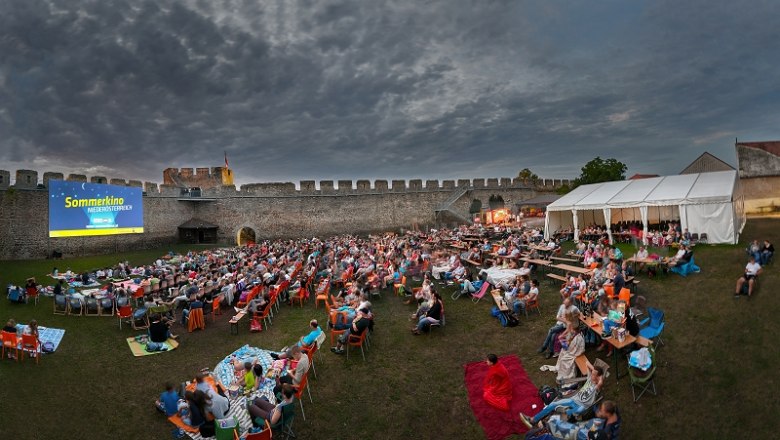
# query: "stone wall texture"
273,210
754,162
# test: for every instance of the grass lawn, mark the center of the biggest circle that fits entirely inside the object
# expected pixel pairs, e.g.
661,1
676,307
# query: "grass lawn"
715,380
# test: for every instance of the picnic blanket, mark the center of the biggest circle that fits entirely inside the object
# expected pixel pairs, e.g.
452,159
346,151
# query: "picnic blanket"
139,349
498,276
46,334
224,374
501,424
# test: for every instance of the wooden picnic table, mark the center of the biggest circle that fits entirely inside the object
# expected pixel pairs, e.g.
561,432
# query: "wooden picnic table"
648,261
499,300
575,269
234,322
595,323
473,263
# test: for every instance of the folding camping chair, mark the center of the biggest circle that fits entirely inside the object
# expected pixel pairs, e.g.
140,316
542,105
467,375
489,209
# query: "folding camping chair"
643,380
482,291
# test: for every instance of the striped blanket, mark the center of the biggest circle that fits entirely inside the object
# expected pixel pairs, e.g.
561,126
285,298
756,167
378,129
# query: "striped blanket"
224,374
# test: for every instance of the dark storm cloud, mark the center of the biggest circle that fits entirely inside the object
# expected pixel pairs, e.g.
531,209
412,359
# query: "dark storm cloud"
396,89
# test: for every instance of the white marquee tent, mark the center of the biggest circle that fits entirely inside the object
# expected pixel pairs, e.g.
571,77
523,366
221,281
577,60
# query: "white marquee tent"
710,203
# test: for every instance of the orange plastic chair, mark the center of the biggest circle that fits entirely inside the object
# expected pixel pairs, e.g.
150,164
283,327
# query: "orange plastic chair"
264,316
333,320
532,304
215,306
299,392
610,291
322,293
124,313
300,297
397,286
625,295
265,434
31,344
10,342
32,294
139,293
195,320
357,341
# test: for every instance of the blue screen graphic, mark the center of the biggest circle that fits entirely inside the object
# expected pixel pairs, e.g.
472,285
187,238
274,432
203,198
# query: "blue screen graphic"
79,208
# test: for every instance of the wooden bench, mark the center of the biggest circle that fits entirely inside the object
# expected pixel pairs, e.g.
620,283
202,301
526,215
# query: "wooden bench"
234,322
570,260
554,276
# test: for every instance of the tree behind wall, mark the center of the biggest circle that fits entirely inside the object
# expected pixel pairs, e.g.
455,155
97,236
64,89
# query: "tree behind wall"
601,170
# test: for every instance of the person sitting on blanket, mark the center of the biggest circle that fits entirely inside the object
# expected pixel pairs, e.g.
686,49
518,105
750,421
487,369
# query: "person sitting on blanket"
359,325
604,426
305,341
261,410
497,390
249,380
169,401
296,370
580,402
193,412
160,329
217,404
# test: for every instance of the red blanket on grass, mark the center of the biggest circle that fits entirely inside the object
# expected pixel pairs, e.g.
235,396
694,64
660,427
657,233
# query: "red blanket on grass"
496,423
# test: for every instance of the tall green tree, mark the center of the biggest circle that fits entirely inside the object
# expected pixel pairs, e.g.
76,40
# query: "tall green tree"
601,170
525,174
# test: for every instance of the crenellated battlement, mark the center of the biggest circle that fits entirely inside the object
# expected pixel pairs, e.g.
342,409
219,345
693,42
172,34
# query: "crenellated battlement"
204,178
210,182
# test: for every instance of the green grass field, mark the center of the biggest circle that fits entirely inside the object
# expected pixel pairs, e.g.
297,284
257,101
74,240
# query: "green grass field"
715,380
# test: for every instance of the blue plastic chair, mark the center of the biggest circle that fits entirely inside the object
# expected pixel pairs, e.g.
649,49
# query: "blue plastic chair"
655,327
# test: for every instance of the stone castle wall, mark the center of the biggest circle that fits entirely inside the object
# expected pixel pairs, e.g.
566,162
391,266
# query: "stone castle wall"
273,210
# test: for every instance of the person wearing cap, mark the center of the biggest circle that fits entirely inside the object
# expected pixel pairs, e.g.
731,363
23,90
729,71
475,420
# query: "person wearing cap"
359,325
305,341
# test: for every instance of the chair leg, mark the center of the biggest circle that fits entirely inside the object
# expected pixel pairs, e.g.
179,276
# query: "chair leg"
303,413
308,391
363,353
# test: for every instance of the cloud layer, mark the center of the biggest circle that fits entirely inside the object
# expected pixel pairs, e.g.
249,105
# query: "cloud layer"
304,89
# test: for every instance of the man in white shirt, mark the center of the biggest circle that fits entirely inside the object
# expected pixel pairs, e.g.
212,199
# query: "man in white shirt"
752,270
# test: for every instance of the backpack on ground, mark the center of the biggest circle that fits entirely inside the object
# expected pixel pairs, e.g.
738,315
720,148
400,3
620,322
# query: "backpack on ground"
547,394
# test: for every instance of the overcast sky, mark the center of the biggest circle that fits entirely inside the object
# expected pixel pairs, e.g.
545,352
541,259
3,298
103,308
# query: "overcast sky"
356,89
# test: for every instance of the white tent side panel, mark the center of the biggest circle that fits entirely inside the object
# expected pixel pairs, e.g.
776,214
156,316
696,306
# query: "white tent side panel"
715,219
557,220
